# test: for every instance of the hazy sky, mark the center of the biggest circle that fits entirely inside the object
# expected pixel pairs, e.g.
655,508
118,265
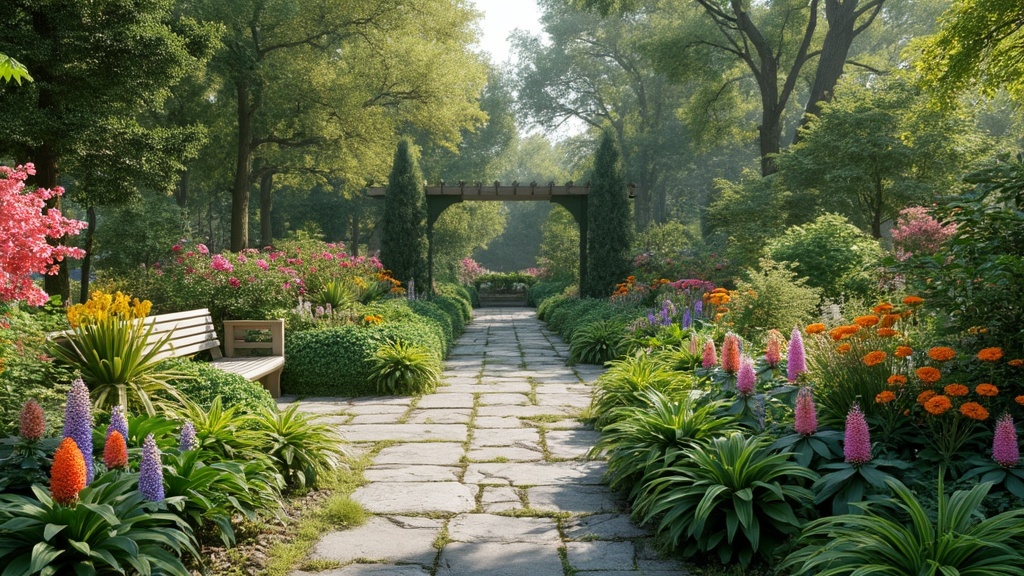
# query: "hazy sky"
501,17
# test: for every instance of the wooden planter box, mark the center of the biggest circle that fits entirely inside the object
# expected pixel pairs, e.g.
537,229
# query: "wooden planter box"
497,299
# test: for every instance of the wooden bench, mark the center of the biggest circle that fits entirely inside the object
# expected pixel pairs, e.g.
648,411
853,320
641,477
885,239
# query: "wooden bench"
192,332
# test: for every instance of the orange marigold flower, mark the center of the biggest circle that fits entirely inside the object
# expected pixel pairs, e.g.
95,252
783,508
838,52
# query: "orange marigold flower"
990,354
890,320
840,332
986,389
913,300
886,332
1019,399
843,348
67,475
941,353
865,321
897,380
1016,362
974,411
873,358
938,405
925,396
815,328
718,290
956,390
885,396
883,308
928,375
903,351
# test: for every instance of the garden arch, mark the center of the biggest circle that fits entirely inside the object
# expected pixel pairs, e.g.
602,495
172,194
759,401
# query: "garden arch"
570,196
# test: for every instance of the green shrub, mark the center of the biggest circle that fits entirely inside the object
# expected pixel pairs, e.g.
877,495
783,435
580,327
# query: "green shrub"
833,254
504,281
610,234
597,342
434,314
338,361
399,368
474,295
541,291
455,310
627,383
403,242
467,297
771,297
301,448
201,382
731,497
550,304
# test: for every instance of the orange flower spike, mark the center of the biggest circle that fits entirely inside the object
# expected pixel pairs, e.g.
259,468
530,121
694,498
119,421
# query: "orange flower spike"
873,358
941,353
1019,399
990,354
887,332
115,451
866,321
67,475
890,320
987,390
938,405
928,375
956,390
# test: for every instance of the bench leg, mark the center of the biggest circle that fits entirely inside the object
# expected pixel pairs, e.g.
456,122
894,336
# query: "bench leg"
272,382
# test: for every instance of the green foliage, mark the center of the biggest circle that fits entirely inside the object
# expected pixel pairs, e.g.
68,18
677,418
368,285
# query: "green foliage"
112,529
552,303
504,281
445,323
339,295
610,228
461,230
400,368
11,69
302,449
629,382
560,247
900,537
541,291
832,254
647,438
729,496
137,235
25,462
461,295
771,297
597,342
202,382
403,244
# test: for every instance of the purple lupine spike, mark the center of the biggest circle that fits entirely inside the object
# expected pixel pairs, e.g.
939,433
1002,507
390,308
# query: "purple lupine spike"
709,358
687,320
78,423
796,360
151,474
1005,450
187,440
805,417
698,308
857,438
650,319
746,378
118,422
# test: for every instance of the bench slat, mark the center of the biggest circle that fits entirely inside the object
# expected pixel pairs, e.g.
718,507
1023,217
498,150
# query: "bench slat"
251,368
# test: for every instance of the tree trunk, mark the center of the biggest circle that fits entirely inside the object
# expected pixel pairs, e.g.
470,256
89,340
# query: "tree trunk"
90,235
181,190
243,171
842,19
357,213
876,210
266,201
770,136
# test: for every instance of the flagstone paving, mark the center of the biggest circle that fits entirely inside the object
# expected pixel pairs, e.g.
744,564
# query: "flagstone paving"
488,476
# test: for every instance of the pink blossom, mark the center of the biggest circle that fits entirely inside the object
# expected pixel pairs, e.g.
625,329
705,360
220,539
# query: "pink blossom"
709,359
857,438
805,417
796,360
189,270
917,232
1005,450
242,259
746,378
773,351
176,248
202,249
233,282
262,264
221,263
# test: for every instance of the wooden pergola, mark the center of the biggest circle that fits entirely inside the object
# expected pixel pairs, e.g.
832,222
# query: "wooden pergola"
570,196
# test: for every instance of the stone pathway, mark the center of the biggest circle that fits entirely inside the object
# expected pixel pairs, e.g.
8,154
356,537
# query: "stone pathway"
487,476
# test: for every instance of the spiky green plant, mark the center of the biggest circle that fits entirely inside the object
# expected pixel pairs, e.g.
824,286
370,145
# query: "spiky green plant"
626,381
597,343
400,368
301,448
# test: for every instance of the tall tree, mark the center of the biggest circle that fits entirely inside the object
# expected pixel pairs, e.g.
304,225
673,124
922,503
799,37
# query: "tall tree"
99,67
403,243
610,234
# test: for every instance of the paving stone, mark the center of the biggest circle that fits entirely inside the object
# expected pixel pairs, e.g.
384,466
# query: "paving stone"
499,559
411,498
415,473
572,400
603,527
648,559
404,432
439,416
566,424
504,399
482,422
600,555
499,499
492,386
375,418
322,407
494,528
394,400
364,409
522,411
524,437
570,443
370,570
534,473
574,499
506,454
392,539
445,400
437,453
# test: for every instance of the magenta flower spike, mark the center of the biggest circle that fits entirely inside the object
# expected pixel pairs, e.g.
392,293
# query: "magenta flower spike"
857,439
709,358
796,360
806,415
1005,450
746,378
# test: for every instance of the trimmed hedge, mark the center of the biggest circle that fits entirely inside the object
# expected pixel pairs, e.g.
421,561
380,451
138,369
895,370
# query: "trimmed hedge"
467,296
567,315
540,292
202,382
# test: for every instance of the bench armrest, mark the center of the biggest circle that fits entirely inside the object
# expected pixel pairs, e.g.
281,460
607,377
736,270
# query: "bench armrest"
234,336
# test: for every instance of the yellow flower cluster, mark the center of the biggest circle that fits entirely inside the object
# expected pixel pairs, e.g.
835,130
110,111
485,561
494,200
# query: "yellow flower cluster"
102,306
370,319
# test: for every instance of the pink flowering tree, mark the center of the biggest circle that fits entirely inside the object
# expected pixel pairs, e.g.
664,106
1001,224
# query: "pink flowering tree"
917,232
24,231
